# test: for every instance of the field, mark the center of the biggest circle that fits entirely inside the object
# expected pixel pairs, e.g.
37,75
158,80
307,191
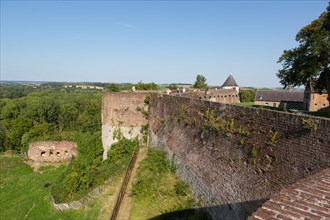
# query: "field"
24,194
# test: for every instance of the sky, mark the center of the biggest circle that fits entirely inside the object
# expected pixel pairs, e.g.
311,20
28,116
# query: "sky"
152,41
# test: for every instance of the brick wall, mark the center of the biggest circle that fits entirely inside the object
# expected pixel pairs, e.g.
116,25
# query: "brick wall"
220,95
122,110
307,199
234,158
52,151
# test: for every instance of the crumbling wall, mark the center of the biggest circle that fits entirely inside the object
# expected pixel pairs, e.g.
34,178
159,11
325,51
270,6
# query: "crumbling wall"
234,157
52,151
124,110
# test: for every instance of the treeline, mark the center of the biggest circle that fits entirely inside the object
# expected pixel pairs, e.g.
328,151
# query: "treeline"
113,87
43,115
15,91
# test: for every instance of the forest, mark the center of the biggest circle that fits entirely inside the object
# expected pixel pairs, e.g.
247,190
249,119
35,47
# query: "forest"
54,113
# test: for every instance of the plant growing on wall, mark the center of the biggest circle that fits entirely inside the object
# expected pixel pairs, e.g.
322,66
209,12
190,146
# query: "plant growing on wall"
230,125
254,154
310,124
273,138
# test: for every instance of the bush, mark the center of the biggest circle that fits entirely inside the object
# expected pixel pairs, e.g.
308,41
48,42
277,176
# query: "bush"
89,171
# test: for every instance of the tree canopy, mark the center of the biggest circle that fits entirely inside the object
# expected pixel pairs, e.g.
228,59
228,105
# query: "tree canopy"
200,82
309,61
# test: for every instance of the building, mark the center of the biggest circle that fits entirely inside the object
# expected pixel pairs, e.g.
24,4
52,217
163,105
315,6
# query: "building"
228,93
230,83
284,99
314,101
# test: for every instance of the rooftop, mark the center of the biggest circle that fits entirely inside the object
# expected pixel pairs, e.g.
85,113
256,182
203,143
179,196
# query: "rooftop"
279,95
230,81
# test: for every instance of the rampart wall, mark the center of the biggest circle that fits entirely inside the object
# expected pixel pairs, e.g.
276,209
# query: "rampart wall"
124,110
233,157
220,95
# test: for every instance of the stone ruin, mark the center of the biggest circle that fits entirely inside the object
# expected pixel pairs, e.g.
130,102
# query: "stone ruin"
52,151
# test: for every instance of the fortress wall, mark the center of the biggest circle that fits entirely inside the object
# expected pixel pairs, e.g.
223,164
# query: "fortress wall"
122,110
220,95
234,157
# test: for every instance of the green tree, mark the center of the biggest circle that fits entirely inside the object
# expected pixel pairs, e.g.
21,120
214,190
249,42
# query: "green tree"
310,60
113,87
146,86
247,95
200,82
173,86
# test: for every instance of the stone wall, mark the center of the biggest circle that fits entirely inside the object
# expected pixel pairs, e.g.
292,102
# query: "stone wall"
318,101
233,157
219,95
52,151
124,110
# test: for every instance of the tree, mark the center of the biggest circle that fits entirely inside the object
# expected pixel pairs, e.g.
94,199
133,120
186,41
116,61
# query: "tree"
247,95
146,86
310,60
200,82
173,86
113,87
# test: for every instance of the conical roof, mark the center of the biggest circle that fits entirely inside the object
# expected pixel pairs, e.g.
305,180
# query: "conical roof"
229,81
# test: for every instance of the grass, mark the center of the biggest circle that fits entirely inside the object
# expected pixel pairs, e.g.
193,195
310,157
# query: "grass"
23,194
158,193
246,104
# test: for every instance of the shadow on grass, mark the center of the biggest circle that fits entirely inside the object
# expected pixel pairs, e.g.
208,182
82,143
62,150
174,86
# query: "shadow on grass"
238,210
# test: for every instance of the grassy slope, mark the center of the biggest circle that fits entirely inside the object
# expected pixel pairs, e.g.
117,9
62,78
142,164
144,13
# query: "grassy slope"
23,195
157,191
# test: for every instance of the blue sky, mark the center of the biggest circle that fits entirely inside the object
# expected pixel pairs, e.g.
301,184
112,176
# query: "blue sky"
159,41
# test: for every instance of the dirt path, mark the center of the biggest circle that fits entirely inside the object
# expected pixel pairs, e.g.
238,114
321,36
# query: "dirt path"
126,204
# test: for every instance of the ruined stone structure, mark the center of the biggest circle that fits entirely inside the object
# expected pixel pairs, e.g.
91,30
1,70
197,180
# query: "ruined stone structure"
235,158
124,110
52,151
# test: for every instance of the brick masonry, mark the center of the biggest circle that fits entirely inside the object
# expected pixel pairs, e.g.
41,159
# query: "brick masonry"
307,199
122,110
235,158
52,151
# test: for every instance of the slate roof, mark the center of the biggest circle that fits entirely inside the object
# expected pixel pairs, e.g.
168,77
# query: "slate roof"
230,81
279,95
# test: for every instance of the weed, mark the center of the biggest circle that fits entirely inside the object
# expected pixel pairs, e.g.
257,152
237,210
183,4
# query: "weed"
273,138
254,154
143,111
117,134
310,124
147,100
144,131
230,125
241,131
172,165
